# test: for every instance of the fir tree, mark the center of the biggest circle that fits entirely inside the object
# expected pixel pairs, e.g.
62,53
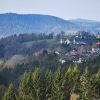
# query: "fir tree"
36,79
10,93
58,86
85,86
75,79
48,84
67,83
26,90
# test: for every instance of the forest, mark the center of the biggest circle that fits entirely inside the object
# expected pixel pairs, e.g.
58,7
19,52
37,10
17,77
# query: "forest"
58,85
73,82
40,75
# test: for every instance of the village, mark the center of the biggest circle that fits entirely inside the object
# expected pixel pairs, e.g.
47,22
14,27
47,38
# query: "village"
79,48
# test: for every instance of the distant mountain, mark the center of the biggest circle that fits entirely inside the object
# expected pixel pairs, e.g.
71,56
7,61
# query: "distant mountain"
11,23
87,25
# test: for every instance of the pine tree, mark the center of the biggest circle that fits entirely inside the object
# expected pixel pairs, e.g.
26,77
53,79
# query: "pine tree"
10,93
75,79
57,86
67,83
36,80
26,90
85,86
48,85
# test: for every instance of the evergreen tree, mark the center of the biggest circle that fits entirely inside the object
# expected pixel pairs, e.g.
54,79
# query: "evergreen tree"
85,86
48,85
57,88
75,79
67,83
26,90
36,79
10,93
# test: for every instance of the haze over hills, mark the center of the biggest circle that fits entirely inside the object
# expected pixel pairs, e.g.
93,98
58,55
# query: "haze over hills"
87,25
11,23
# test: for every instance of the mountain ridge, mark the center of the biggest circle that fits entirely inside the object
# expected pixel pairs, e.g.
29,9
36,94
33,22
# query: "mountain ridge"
13,23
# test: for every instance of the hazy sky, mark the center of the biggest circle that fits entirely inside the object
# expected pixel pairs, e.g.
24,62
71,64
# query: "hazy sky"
67,9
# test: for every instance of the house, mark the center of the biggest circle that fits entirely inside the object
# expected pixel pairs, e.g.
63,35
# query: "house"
98,41
57,53
79,60
61,41
74,53
67,41
62,61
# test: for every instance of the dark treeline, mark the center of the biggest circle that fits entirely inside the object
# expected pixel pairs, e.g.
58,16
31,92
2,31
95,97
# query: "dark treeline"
17,43
25,38
43,61
93,64
58,85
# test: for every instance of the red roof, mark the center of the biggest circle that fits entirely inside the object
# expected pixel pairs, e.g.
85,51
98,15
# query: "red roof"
98,43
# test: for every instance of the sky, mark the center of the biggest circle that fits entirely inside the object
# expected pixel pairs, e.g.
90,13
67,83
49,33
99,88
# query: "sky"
67,9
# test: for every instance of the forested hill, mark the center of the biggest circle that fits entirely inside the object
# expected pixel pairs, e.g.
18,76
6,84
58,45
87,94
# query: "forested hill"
11,23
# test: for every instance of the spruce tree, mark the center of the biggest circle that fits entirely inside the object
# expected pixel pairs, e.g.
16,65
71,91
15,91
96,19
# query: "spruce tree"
85,86
75,79
48,85
10,93
26,90
36,80
57,88
67,83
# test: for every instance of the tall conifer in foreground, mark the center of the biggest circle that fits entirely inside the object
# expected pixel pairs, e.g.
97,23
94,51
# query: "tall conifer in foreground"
58,93
75,79
48,84
26,90
10,93
36,80
67,83
85,87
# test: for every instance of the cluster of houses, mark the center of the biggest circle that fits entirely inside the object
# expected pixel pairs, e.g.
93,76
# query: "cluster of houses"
81,50
73,40
77,49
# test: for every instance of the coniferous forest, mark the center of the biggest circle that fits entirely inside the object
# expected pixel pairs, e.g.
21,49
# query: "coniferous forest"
70,84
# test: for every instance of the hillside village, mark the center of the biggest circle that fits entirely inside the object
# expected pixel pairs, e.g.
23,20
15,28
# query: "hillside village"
79,47
76,48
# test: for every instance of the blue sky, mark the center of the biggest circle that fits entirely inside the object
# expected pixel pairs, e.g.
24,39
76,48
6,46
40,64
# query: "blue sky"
67,9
